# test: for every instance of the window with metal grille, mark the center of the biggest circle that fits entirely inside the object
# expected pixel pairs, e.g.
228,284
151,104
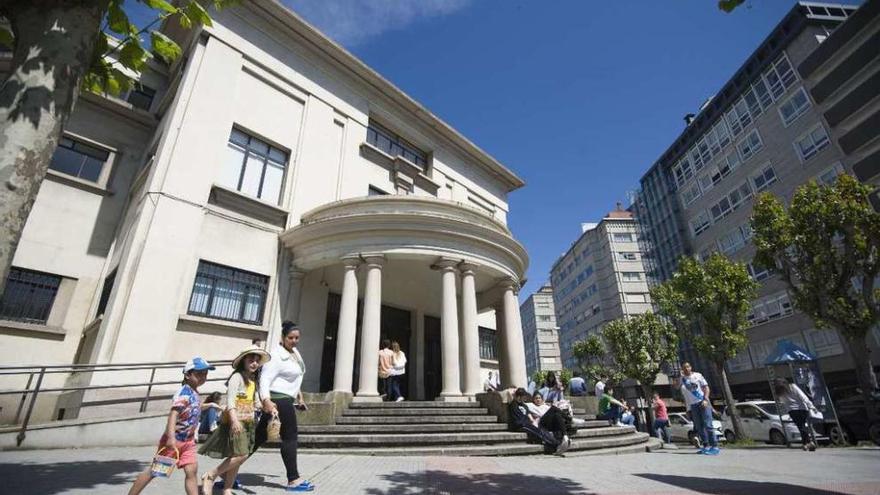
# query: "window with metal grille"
488,344
394,145
228,294
79,159
254,167
29,296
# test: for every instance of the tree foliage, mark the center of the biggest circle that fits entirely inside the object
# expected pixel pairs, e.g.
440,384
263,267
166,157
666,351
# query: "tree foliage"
641,344
826,247
595,360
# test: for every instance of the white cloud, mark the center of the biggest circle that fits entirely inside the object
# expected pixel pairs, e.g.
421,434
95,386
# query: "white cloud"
350,22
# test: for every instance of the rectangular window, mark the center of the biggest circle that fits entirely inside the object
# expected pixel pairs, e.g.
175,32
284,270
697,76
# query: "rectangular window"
763,94
395,145
753,104
770,308
712,143
29,296
696,159
764,179
758,274
703,148
545,318
228,294
706,182
141,96
631,276
720,209
794,107
375,191
105,293
79,159
750,145
739,195
780,77
254,167
829,175
690,194
811,143
623,237
635,297
488,345
722,133
700,223
625,256
731,242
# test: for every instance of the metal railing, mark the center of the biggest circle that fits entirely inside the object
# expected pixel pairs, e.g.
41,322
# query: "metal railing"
41,372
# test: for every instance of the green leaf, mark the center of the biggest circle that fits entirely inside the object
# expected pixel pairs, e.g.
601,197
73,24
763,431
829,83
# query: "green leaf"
729,5
161,5
164,47
197,13
6,38
118,21
132,55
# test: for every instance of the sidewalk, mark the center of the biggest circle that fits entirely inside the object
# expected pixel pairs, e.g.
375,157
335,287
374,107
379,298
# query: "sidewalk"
747,472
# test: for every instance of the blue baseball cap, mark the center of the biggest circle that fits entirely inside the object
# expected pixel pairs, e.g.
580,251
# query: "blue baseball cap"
196,364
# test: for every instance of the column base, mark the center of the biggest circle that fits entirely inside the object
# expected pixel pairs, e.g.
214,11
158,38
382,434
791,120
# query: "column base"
454,398
366,398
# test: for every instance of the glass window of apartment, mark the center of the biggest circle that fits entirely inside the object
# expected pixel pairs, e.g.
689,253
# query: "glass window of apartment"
703,148
254,167
626,256
690,194
741,110
770,308
780,77
109,281
829,175
794,107
227,293
545,318
811,143
733,160
722,134
720,209
731,242
542,304
764,179
631,297
740,194
696,159
78,159
141,96
753,104
395,145
623,237
375,191
29,296
750,145
711,140
706,182
631,276
758,274
488,345
763,94
700,223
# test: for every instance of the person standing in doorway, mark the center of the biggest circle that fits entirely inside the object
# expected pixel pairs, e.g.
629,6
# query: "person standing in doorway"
398,369
695,390
386,366
796,403
281,392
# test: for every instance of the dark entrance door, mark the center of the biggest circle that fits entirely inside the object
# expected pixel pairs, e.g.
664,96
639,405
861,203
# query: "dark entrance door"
433,358
396,327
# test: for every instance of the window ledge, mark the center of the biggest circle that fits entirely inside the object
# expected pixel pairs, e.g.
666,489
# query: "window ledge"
400,165
191,323
32,327
77,183
246,205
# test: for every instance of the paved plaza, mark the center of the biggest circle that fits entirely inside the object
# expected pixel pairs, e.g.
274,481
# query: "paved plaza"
736,471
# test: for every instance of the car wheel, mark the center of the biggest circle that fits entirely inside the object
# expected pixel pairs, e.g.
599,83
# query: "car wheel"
776,437
729,435
693,439
874,433
837,437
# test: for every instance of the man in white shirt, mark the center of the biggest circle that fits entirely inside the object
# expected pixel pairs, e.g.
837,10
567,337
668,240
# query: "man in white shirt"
695,390
599,388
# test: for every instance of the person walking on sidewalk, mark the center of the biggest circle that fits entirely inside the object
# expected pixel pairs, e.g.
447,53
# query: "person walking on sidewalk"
695,390
280,390
398,369
180,429
796,403
661,418
234,440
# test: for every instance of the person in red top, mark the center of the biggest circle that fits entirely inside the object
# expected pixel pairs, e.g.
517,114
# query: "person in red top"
661,418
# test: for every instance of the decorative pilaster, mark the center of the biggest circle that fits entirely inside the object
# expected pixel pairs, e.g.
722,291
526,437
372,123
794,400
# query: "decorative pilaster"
514,358
449,332
347,332
369,369
470,332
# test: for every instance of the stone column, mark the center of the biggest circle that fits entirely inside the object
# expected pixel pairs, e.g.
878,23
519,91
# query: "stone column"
449,332
514,358
500,339
470,332
291,309
347,332
369,371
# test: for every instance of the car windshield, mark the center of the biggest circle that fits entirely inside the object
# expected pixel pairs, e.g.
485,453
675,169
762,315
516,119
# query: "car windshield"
769,408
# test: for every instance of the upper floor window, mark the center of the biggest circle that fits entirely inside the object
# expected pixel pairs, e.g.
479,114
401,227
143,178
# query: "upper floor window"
623,237
750,145
141,96
228,294
780,76
625,256
254,167
764,179
631,276
375,191
829,175
394,145
78,159
794,107
811,143
29,296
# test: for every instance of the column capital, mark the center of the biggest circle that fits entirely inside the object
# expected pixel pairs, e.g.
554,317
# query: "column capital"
295,272
446,264
351,261
509,284
373,260
467,268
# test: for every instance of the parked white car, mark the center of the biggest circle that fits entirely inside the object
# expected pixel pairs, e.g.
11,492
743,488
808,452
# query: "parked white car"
760,421
681,429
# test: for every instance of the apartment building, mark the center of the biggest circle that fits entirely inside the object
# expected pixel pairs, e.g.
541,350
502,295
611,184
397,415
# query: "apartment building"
540,337
762,131
599,279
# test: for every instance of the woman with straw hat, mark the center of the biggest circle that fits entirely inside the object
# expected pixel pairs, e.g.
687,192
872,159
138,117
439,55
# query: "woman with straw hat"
233,441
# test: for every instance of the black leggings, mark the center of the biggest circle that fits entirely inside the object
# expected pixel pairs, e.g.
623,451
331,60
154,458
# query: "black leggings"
289,433
799,416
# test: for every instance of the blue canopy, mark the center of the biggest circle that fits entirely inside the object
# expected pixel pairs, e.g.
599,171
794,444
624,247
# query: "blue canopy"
787,352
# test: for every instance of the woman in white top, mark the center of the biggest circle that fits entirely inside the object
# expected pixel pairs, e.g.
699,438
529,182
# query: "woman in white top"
280,382
397,372
796,403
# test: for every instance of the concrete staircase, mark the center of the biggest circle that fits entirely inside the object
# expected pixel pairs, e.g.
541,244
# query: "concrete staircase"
448,428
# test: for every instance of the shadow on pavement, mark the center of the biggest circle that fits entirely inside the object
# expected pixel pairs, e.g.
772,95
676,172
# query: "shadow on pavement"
721,486
63,476
476,483
249,480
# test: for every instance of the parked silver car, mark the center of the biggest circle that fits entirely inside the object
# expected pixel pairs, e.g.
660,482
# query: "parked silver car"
681,429
761,422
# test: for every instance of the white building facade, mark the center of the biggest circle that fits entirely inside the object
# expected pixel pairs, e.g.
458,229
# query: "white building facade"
269,176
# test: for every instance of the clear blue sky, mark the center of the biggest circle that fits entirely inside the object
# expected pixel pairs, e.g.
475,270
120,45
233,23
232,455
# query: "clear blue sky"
577,97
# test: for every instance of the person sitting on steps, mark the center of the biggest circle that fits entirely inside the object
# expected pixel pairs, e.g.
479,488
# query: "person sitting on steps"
551,432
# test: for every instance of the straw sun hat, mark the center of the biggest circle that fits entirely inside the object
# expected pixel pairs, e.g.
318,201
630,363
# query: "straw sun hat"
251,349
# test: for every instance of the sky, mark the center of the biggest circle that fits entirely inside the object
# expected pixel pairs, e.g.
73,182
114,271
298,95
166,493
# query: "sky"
577,97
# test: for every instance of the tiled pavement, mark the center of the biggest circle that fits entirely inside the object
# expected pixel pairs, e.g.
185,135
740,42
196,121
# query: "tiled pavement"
735,471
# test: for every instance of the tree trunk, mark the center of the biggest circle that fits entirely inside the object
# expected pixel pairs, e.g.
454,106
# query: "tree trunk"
861,354
648,392
54,40
729,402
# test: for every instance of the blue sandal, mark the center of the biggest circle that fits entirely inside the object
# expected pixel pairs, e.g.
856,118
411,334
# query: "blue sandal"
305,486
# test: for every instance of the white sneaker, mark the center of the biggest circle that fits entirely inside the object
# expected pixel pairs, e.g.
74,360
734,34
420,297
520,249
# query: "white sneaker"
399,399
618,423
563,445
